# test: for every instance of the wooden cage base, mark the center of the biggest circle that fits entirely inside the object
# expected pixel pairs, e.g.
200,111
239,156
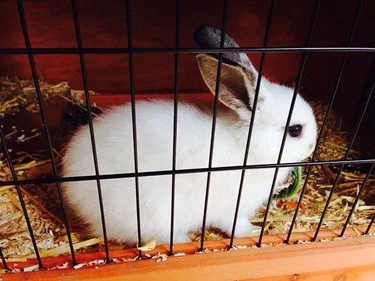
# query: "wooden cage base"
346,259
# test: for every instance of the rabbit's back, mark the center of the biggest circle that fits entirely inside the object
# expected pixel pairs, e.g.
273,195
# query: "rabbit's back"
115,152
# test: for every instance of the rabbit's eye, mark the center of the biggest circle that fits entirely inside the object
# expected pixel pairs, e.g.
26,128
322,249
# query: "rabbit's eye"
295,130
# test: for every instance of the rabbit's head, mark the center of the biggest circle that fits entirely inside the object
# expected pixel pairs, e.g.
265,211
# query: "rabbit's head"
237,89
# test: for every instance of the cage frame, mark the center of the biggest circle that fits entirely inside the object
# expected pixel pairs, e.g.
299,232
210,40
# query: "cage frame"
81,51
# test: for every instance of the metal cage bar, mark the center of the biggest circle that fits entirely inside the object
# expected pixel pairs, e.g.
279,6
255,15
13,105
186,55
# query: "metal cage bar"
2,257
370,225
134,124
248,142
326,115
91,127
175,118
185,171
19,193
299,78
356,200
45,125
3,260
359,121
362,114
213,129
174,171
108,51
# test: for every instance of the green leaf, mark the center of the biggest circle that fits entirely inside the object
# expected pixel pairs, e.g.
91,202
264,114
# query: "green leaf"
294,187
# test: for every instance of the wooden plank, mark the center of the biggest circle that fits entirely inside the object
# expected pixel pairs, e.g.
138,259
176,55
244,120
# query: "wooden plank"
336,259
187,248
365,273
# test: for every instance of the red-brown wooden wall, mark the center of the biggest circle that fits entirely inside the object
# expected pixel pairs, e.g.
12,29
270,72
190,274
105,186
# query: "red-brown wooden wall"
103,24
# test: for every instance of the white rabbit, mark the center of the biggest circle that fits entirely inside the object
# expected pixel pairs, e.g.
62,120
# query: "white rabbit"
154,119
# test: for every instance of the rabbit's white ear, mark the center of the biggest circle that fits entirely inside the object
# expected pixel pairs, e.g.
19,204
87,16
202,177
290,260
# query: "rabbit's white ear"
237,85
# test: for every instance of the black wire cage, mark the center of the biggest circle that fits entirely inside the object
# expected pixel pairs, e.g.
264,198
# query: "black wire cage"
362,116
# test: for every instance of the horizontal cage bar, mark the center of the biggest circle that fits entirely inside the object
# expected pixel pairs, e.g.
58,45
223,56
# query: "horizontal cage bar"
185,171
58,51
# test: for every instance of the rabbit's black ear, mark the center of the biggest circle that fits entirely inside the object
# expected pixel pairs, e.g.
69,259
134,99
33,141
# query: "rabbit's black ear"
236,90
208,36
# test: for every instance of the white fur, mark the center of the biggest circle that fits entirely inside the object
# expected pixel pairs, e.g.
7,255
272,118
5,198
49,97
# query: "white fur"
114,141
